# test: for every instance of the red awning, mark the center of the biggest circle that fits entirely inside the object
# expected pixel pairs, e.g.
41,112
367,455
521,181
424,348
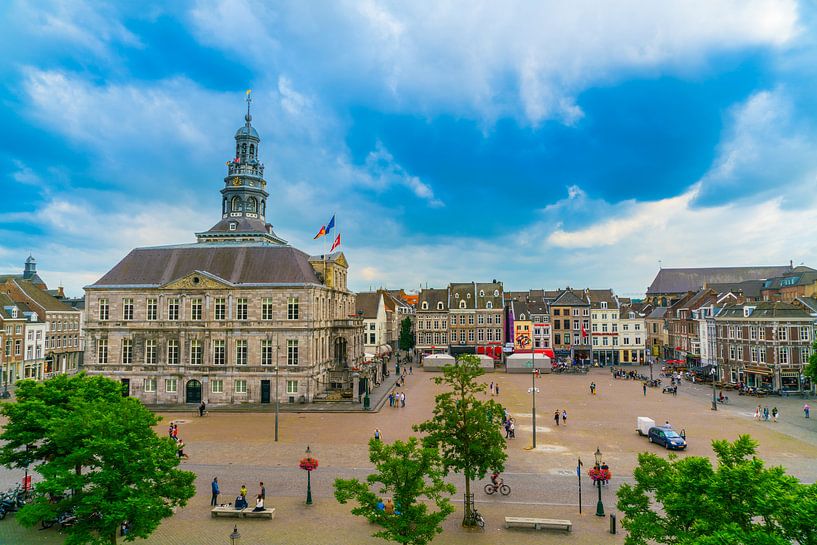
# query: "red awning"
480,350
547,352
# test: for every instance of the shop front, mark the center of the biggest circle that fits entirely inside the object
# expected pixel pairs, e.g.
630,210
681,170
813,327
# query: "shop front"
759,377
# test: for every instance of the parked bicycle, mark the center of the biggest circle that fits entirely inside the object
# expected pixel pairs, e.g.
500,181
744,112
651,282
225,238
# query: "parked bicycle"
474,519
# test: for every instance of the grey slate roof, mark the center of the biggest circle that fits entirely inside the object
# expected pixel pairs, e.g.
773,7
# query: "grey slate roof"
488,289
808,302
249,263
749,288
462,292
46,301
367,303
601,296
693,279
432,296
569,298
766,309
657,313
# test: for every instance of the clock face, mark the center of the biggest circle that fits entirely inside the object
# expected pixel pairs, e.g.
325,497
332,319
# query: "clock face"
236,181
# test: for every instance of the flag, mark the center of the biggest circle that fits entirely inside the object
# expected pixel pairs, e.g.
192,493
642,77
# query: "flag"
330,225
321,233
584,331
336,243
249,91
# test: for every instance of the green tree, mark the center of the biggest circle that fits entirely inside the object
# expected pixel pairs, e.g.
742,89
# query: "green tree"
406,472
811,368
465,428
406,340
740,502
98,457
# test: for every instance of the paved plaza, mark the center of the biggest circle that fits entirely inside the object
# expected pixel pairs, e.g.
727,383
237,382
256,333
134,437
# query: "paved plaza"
239,449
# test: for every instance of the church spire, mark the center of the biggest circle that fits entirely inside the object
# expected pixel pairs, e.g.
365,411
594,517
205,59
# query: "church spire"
244,196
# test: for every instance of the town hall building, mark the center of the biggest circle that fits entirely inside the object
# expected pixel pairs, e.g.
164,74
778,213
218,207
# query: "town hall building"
239,316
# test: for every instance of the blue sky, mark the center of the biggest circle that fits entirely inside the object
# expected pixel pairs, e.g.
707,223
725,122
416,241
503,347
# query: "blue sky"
540,143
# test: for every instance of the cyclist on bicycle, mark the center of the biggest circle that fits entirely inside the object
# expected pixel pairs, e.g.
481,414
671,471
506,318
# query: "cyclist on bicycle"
495,480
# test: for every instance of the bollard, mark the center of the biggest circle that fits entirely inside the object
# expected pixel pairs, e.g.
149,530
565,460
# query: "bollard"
612,523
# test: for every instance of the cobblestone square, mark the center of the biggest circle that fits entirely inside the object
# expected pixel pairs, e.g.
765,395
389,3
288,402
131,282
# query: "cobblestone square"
239,449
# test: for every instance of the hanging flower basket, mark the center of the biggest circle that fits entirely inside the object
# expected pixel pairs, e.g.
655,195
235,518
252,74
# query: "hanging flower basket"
599,474
309,464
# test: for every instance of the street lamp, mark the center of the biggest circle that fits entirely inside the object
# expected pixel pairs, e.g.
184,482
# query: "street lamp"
599,505
714,401
235,537
309,464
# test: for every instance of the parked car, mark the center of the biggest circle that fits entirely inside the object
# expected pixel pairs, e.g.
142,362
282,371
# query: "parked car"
666,437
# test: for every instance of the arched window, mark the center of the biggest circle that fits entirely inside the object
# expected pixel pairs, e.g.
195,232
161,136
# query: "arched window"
244,149
252,205
224,206
462,304
481,293
424,306
440,305
236,204
252,150
263,207
489,304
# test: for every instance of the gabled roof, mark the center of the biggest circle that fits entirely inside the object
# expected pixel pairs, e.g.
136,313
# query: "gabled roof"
809,303
597,297
657,313
749,288
457,293
41,298
491,292
569,298
249,263
367,302
766,309
692,279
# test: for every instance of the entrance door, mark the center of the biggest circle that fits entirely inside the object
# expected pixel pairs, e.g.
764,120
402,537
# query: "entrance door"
193,391
125,387
265,391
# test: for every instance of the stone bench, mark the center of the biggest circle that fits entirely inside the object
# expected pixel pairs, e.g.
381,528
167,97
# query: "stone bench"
248,513
225,511
538,524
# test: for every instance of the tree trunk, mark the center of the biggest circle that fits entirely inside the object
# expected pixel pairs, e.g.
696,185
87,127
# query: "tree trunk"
113,538
467,520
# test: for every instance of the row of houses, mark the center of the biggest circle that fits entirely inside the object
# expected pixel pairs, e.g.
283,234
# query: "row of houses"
737,324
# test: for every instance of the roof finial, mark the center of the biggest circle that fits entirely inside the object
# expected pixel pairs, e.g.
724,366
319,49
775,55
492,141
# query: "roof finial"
248,117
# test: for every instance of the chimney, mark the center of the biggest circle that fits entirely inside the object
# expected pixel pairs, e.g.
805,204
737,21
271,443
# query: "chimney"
60,293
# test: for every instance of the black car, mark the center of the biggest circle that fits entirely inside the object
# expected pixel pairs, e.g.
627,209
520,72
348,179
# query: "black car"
666,437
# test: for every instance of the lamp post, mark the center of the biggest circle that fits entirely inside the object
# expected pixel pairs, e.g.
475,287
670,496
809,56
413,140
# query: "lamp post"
713,372
599,505
309,464
235,537
533,392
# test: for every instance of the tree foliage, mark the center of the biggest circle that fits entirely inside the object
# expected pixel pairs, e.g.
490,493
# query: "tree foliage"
740,502
406,472
811,368
406,340
98,457
465,428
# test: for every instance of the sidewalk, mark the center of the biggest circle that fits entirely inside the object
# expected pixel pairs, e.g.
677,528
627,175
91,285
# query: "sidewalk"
377,397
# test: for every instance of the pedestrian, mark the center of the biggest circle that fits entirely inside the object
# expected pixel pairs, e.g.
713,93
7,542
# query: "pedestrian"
377,434
564,417
556,417
757,412
496,388
243,491
807,410
403,399
513,429
214,488
491,388
644,386
202,407
411,370
180,449
263,493
775,414
391,399
507,428
766,414
170,430
175,433
593,388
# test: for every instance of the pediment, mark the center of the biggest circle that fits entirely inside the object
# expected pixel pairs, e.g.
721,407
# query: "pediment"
341,260
198,280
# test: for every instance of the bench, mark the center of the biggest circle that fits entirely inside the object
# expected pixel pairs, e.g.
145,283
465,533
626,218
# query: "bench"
248,513
267,513
538,524
225,511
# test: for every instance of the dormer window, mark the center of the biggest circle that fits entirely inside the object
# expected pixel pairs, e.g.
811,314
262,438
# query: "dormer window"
521,316
468,295
496,293
604,304
14,312
462,304
440,305
489,304
424,306
233,225
456,296
481,293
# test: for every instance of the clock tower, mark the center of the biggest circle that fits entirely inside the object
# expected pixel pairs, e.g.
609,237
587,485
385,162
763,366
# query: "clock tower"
244,196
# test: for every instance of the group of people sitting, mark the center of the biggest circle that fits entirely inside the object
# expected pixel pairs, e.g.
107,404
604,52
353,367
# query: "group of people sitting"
241,500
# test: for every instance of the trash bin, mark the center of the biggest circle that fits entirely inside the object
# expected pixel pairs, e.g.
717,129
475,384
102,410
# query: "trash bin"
612,523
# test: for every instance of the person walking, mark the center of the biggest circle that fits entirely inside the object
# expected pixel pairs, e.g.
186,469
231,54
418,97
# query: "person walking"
377,434
765,414
491,388
507,428
411,370
556,417
496,388
807,410
757,412
391,399
564,417
263,494
775,414
215,490
512,429
644,387
202,407
593,388
403,399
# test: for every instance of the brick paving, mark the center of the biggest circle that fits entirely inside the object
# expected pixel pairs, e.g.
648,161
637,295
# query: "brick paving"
238,448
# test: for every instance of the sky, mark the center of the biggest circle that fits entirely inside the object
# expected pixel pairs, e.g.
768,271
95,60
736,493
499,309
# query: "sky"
544,144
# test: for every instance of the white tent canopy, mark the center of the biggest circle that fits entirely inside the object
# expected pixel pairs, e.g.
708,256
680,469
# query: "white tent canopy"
486,362
435,362
521,363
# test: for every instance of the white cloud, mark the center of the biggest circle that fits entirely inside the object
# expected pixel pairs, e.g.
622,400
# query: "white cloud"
486,57
385,171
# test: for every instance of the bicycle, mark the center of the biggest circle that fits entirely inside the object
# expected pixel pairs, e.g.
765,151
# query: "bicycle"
474,519
492,488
